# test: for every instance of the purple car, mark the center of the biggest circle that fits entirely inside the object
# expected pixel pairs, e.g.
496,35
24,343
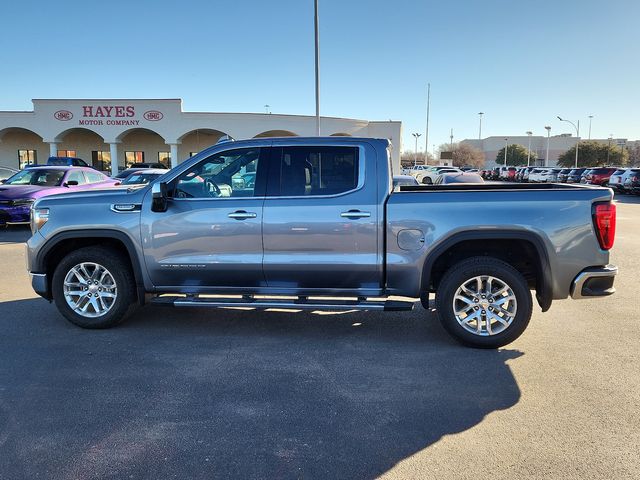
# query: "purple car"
19,191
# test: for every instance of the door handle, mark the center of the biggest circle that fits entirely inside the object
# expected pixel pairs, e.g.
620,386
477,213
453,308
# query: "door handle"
355,214
242,215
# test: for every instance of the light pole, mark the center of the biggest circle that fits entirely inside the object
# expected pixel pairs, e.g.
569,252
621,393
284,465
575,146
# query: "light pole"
426,136
480,129
590,118
451,138
529,149
609,146
506,149
577,127
415,153
315,18
266,109
546,158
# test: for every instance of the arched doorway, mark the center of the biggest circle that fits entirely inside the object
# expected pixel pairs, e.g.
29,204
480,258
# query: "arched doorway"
20,147
197,140
85,144
139,145
276,133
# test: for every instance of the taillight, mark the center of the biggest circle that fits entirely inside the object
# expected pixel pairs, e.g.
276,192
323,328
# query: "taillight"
604,221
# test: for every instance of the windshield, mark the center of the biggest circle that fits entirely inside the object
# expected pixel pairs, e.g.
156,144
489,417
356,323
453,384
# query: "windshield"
40,177
140,178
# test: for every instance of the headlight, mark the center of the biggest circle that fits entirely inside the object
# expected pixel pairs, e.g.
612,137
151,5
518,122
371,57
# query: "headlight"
39,217
22,202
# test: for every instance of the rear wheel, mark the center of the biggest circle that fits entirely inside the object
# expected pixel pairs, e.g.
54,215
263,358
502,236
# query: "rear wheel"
484,302
94,287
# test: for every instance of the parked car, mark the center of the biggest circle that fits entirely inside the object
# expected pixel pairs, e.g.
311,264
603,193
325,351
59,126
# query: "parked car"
632,182
6,172
563,175
130,171
427,177
148,165
575,175
144,176
318,229
549,175
525,174
65,162
458,177
534,176
18,192
599,176
404,180
583,177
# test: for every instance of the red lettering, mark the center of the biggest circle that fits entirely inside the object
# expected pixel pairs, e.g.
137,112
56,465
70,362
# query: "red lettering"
87,111
108,111
131,111
99,112
120,111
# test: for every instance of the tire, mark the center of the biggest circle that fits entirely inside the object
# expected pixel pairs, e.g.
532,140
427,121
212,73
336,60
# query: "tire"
115,290
514,315
427,181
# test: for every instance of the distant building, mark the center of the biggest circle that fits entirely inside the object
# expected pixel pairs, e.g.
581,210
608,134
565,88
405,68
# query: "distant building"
558,144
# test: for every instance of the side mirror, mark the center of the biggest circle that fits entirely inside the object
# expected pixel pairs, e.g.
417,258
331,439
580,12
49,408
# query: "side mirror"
71,183
159,197
2,181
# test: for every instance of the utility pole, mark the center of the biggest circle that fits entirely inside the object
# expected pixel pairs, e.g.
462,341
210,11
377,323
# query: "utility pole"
426,133
415,153
317,68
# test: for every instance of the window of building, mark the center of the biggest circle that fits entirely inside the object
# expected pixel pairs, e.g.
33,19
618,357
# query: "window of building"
66,153
164,158
318,170
26,157
101,160
133,157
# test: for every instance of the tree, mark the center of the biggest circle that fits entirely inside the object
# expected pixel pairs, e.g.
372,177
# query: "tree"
464,155
408,157
634,155
516,155
594,154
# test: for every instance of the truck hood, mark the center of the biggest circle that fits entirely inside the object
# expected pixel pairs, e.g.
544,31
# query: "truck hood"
107,194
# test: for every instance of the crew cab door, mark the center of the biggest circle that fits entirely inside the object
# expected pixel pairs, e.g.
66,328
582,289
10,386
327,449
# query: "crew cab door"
321,219
211,233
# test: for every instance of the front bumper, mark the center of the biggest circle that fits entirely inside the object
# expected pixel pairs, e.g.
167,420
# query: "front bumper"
10,215
594,282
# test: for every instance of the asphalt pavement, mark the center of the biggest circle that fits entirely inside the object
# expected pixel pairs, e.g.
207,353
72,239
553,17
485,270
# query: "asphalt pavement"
204,394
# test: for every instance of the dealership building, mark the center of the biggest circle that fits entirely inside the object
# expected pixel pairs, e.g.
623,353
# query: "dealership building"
112,134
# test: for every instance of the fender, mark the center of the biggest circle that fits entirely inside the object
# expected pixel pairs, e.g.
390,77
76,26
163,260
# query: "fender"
41,258
544,291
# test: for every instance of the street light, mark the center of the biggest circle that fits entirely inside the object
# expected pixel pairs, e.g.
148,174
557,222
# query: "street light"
480,129
529,149
506,149
590,117
317,38
577,127
546,158
415,153
609,146
266,109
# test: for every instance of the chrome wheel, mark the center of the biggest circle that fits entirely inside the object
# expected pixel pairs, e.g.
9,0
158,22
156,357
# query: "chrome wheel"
484,305
90,289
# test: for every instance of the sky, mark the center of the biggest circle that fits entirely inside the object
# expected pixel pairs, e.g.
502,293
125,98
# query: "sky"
520,62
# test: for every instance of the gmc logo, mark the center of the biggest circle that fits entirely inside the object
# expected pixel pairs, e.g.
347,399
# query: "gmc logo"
63,115
153,115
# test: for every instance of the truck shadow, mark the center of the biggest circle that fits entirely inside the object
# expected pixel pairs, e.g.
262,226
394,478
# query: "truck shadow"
622,198
14,234
234,394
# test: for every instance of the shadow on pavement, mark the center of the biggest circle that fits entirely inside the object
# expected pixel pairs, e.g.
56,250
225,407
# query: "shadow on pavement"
622,198
235,394
14,234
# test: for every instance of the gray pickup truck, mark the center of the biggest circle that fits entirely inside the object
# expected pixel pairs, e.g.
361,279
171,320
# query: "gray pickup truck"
316,223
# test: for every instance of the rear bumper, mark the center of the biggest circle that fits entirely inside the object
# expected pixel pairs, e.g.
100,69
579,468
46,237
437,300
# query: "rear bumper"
40,284
594,282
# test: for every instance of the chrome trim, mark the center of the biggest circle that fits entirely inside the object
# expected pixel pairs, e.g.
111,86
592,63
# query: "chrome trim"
593,272
242,215
135,207
355,214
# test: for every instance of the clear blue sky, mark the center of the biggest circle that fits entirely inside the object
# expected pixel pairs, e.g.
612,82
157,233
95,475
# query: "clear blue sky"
520,62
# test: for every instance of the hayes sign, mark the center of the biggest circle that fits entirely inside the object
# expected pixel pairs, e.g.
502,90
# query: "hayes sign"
109,115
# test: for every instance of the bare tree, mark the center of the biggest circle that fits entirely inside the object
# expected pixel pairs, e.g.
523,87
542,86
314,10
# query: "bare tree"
464,155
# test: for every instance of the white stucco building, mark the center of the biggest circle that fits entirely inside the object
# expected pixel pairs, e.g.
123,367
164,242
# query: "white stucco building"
112,134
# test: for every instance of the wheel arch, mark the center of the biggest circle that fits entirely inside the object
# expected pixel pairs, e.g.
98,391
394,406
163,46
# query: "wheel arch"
531,258
62,243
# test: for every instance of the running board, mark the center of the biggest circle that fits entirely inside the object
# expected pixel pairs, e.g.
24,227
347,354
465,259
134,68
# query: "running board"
274,302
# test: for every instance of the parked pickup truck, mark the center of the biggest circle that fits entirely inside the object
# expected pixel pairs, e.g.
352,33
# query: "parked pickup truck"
322,227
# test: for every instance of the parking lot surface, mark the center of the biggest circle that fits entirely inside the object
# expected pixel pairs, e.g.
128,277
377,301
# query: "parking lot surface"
243,394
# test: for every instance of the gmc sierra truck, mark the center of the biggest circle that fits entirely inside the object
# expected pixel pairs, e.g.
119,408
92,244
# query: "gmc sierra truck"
316,223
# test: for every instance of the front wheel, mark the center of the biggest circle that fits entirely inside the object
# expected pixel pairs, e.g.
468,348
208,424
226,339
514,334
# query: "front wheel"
484,302
93,287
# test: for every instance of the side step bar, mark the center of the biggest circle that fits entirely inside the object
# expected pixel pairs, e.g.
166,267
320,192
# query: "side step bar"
302,303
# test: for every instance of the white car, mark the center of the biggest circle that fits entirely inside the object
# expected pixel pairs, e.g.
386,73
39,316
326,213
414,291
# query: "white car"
427,177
